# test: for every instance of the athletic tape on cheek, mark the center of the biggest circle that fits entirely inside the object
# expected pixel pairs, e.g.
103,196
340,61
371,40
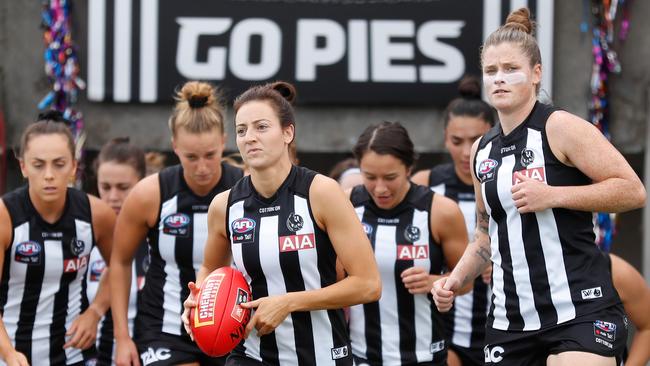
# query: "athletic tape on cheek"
511,78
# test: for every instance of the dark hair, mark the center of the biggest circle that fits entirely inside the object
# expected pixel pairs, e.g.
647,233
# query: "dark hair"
198,108
469,103
341,167
520,30
120,150
387,138
47,123
280,94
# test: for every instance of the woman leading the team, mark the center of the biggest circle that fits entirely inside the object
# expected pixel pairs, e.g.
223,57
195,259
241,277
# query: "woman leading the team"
541,173
170,209
301,223
413,232
46,237
467,118
119,166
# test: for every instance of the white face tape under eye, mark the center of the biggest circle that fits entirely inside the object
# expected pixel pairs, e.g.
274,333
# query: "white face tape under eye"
511,78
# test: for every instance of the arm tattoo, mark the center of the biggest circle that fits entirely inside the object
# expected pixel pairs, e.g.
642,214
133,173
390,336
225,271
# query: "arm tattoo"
484,254
483,221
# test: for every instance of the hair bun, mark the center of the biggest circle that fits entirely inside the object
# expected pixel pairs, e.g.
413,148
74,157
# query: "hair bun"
520,19
469,87
285,89
51,115
197,94
121,140
197,101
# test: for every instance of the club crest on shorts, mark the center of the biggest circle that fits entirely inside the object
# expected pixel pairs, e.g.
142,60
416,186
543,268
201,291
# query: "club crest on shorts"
294,222
487,170
28,252
527,157
412,233
77,246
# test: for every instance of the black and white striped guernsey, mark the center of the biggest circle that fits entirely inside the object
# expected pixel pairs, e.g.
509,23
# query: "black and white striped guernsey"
465,322
176,251
546,268
43,280
400,328
279,248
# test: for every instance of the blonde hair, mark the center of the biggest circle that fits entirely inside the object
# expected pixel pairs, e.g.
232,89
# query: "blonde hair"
198,109
519,29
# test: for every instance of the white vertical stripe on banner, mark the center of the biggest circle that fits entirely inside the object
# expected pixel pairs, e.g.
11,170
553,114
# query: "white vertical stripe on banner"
358,50
149,51
491,16
544,19
96,49
516,4
122,51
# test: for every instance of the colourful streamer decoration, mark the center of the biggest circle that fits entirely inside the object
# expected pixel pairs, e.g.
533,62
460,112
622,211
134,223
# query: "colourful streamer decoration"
605,19
62,69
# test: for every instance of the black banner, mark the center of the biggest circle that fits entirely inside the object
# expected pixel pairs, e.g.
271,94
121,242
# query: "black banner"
335,52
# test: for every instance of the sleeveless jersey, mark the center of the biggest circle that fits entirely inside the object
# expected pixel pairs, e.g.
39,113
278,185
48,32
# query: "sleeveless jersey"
43,281
546,268
465,322
400,328
176,251
279,248
105,338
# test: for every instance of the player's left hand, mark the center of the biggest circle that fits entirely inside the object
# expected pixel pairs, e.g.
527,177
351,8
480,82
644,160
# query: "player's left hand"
270,311
531,195
83,330
417,280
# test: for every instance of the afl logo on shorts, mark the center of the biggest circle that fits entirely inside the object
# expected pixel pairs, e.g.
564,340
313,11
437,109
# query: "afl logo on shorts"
486,170
28,252
243,230
412,233
96,270
77,247
176,224
294,222
367,228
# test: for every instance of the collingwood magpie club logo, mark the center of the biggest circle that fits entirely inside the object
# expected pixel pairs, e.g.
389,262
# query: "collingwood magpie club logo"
412,233
527,157
77,246
294,222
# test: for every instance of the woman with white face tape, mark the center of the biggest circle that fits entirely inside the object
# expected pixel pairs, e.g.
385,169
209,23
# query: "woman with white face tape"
553,299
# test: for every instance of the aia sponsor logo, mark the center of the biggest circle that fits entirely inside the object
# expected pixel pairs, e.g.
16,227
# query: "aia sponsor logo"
72,265
96,270
412,252
243,230
605,330
204,313
176,224
237,311
538,174
487,170
28,252
293,243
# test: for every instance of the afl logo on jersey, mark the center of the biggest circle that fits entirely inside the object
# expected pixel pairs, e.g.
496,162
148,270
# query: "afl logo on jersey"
243,230
486,170
412,233
77,247
527,157
96,270
294,222
367,228
176,224
28,252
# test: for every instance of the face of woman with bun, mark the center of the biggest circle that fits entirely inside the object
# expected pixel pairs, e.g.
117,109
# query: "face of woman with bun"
261,138
509,79
460,134
48,164
200,155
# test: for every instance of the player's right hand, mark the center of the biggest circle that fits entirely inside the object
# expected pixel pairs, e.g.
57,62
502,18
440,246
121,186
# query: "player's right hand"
16,358
126,353
189,303
444,292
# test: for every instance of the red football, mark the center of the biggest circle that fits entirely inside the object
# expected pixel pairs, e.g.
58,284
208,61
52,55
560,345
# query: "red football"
218,322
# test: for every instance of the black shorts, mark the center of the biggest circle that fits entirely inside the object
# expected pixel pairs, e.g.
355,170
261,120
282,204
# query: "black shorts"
603,333
167,349
468,356
358,361
239,360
